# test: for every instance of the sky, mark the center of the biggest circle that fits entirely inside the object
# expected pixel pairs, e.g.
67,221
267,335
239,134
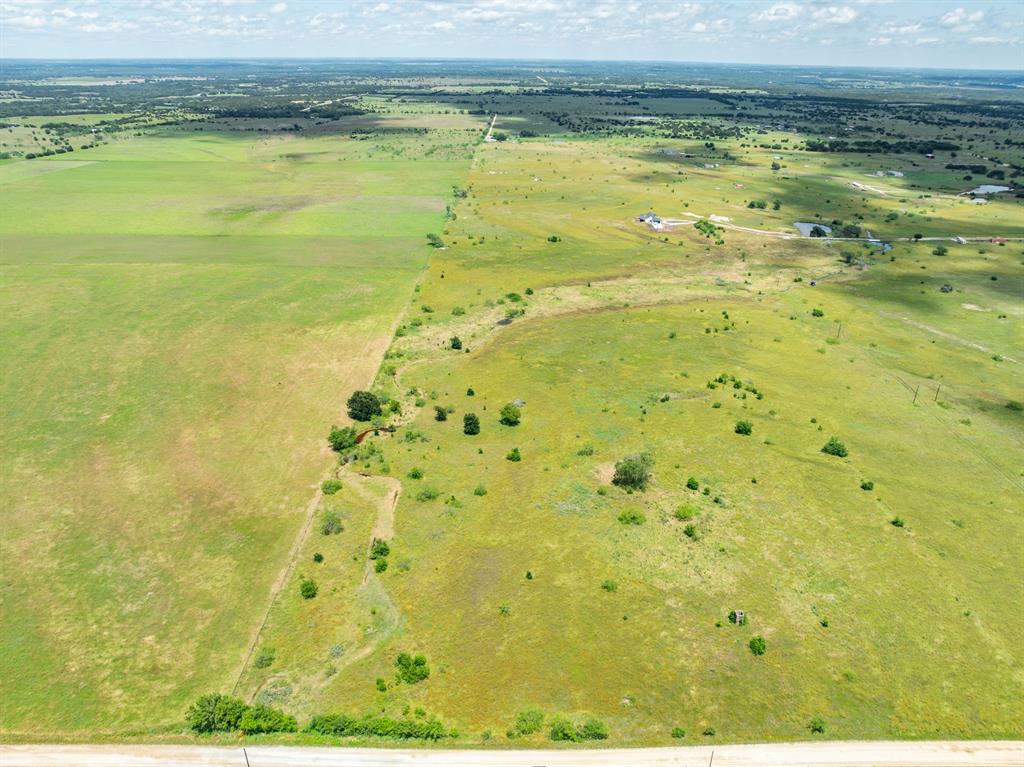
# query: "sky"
954,34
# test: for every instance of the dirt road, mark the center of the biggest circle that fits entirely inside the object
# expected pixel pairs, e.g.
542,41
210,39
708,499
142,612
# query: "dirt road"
817,754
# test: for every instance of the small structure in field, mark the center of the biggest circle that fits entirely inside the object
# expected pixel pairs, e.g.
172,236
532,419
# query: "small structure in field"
947,288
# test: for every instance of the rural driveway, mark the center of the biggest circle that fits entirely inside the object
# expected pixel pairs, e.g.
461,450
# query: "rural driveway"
819,754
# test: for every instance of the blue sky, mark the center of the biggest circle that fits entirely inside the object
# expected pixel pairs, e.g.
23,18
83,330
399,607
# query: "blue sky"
956,34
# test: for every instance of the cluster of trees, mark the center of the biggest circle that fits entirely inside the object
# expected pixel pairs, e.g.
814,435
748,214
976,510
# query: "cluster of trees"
342,726
222,713
633,472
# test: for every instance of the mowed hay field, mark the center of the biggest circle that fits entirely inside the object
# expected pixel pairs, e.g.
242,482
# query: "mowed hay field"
517,579
184,315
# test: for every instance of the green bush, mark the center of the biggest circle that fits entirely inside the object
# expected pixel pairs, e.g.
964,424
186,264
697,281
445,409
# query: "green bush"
215,713
330,523
593,729
264,658
308,588
867,485
382,685
318,557
562,730
817,313
331,486
817,725
411,668
896,522
514,455
470,424
455,342
709,732
835,447
678,732
609,585
691,532
685,513
426,494
480,490
632,517
342,726
440,413
363,406
758,645
511,415
341,440
744,427
633,472
380,565
692,483
415,473
379,548
260,719
528,721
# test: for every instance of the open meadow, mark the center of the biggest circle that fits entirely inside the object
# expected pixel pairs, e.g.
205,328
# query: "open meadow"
690,477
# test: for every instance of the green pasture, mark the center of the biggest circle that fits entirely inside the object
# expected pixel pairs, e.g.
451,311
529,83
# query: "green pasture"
184,317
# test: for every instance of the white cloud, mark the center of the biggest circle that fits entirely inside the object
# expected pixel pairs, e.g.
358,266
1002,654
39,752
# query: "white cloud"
835,14
444,26
27,22
780,12
279,7
960,20
875,42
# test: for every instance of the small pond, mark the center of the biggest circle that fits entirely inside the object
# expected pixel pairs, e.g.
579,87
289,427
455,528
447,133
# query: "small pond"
989,189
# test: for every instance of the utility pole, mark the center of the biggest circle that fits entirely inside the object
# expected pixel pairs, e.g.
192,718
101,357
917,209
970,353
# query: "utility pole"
937,393
915,394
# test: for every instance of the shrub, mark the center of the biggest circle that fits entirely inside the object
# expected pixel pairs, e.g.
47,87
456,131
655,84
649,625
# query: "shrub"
382,685
744,427
817,313
691,532
264,658
470,424
867,485
817,725
411,668
331,486
632,517
470,392
456,342
678,732
685,513
426,494
330,524
308,588
363,405
835,447
896,522
692,483
593,729
318,557
380,565
379,548
758,645
528,721
940,250
260,719
215,713
709,732
342,439
415,473
513,455
554,238
1014,406
511,415
440,413
589,450
340,725
733,618
480,490
633,472
609,585
562,730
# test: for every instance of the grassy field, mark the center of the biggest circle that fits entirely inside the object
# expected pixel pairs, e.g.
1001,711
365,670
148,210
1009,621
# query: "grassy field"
881,630
184,315
202,300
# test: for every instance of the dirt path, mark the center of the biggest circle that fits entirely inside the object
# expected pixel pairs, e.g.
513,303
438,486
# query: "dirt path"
490,128
815,754
384,526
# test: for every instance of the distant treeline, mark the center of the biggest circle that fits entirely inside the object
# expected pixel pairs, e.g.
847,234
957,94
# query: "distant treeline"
878,146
